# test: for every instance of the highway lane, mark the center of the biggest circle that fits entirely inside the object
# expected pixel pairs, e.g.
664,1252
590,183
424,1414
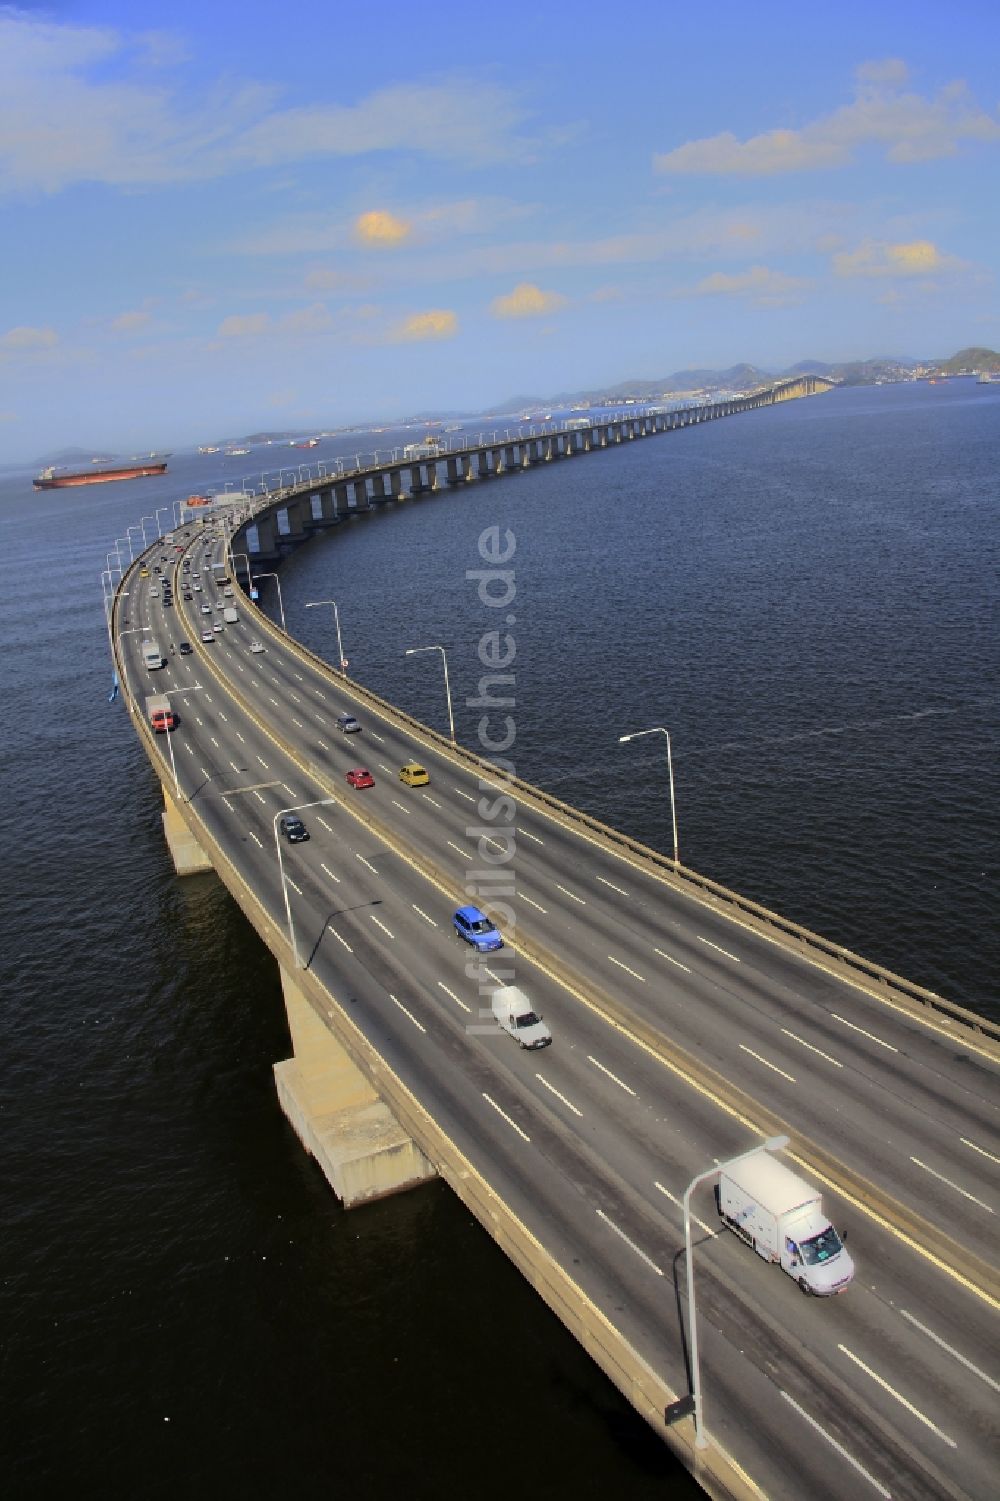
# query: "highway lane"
775,1056
566,1083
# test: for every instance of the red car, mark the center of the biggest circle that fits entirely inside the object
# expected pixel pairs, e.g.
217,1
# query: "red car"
360,778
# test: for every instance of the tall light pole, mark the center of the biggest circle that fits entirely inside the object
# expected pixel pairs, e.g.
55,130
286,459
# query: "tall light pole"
134,528
159,529
322,802
142,523
170,744
412,651
232,558
278,582
771,1144
128,543
115,561
177,513
659,730
314,604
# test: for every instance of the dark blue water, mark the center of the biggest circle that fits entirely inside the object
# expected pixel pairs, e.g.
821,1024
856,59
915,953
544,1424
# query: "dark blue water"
806,596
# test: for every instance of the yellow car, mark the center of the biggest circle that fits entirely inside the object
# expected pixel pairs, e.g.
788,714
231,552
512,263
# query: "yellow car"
144,573
413,775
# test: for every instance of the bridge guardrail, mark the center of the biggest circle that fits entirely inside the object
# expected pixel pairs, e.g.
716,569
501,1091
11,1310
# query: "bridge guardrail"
808,944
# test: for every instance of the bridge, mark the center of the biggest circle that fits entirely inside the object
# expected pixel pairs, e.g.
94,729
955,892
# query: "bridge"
689,1025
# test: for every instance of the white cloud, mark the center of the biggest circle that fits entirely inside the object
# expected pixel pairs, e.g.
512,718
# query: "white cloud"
527,301
907,126
80,104
24,337
760,285
910,258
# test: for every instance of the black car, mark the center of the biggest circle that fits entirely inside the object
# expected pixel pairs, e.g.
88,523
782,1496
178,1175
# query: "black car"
347,724
293,828
185,648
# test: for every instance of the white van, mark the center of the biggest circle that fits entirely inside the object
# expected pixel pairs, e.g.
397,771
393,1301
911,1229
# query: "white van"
152,657
512,1011
230,616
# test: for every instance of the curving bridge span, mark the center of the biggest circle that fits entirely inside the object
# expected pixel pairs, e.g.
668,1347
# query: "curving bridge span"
688,1024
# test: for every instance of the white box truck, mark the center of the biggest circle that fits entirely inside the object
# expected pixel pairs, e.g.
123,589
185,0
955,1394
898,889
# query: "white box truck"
230,616
512,1011
781,1217
152,657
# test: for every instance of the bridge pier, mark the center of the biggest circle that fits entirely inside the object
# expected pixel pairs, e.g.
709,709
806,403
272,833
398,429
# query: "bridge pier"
187,854
339,1118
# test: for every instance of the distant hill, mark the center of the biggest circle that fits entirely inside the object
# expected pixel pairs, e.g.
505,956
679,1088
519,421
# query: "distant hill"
976,358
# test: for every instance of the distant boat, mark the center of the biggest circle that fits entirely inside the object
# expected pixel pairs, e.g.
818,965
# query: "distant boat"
989,378
209,448
306,443
236,453
61,479
453,427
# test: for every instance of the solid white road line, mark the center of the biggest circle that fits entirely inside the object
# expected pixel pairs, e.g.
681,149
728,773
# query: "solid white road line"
406,1013
381,925
839,1447
552,1090
443,986
506,1117
718,948
960,1358
634,973
422,914
630,1243
571,894
870,1035
802,1043
942,1179
614,1077
612,885
881,1381
680,1205
671,960
774,1066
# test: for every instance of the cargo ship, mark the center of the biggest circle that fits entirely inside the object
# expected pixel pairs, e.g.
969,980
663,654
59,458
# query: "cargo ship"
60,479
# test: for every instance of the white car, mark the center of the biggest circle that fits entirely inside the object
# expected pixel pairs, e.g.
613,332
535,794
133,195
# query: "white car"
218,626
257,646
206,609
208,636
197,588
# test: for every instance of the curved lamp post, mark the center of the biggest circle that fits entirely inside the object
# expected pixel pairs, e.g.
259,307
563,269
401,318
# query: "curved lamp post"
772,1144
660,730
412,651
314,604
321,802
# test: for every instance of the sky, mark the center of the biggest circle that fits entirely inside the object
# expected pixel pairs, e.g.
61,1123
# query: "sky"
221,218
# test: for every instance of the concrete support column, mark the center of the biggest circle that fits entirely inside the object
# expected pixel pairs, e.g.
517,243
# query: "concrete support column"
358,491
395,484
378,489
339,1118
508,457
298,514
327,508
267,536
417,484
187,854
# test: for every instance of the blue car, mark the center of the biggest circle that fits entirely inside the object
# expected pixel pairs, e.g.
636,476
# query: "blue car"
475,927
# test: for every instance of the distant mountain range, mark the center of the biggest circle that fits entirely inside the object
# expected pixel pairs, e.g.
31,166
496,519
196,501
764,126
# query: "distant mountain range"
745,377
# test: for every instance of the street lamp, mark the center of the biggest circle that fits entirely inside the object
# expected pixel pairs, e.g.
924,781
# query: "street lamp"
278,582
134,528
142,523
159,529
232,558
771,1144
170,744
115,561
659,730
128,543
312,605
412,651
322,802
